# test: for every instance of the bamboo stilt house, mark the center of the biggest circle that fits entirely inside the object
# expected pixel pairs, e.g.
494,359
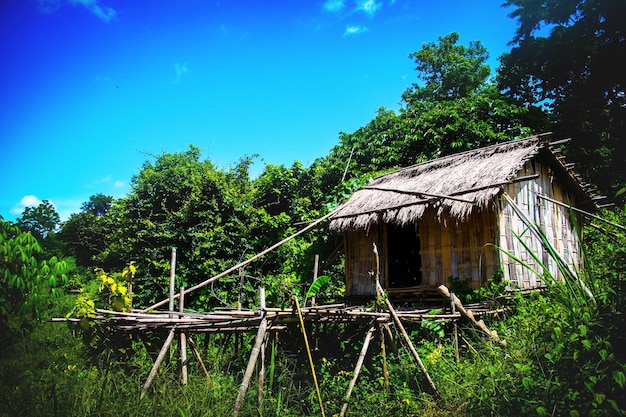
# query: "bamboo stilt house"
446,218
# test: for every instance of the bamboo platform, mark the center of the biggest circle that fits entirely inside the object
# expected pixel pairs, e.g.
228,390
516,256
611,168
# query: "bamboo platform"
248,320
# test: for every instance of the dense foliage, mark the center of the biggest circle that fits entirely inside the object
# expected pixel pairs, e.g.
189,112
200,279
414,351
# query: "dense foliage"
563,58
563,353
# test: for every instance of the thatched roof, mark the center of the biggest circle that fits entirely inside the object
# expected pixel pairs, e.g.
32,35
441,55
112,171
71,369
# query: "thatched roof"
468,180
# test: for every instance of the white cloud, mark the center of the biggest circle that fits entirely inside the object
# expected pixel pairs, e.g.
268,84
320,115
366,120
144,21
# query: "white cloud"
368,7
181,70
354,30
26,201
103,180
334,5
106,14
119,184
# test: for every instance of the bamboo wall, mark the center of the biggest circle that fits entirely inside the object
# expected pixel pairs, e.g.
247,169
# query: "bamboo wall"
447,250
451,249
360,261
553,219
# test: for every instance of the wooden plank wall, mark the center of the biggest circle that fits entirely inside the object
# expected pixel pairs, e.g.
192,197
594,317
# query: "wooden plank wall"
453,249
553,219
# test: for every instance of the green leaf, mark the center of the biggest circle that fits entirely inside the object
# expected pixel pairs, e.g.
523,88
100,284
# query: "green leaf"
316,285
620,378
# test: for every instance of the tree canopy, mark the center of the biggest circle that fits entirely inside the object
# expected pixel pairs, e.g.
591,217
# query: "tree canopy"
564,58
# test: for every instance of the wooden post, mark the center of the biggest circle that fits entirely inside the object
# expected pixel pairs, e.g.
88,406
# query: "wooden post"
157,362
392,343
254,354
455,331
357,369
383,353
261,381
396,319
172,280
308,351
183,340
407,339
315,268
194,349
172,276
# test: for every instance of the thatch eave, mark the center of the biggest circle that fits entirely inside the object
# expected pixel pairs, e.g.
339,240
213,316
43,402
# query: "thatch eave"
454,186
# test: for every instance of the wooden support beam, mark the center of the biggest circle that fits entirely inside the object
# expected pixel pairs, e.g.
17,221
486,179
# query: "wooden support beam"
585,213
407,339
468,314
308,351
383,353
254,354
196,353
357,369
157,362
183,341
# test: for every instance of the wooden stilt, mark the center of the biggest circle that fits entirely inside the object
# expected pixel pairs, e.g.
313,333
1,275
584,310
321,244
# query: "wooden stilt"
157,362
172,279
261,381
392,342
254,354
357,369
407,339
183,340
315,271
383,353
396,319
308,351
196,353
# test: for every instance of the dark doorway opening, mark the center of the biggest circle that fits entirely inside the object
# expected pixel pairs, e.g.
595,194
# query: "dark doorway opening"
403,255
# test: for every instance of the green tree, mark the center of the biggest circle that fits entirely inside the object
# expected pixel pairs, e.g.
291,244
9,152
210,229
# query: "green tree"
454,107
448,71
40,220
564,59
179,201
98,205
23,275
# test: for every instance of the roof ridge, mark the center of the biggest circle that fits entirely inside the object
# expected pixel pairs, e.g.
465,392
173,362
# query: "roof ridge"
543,138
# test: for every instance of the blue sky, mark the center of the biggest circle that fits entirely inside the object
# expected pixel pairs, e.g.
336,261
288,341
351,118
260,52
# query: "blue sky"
90,89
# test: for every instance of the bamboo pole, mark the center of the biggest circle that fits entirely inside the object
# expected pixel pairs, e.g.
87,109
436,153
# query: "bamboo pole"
398,323
392,343
157,362
254,354
172,278
248,261
194,349
261,379
357,369
585,213
183,340
469,315
406,337
315,271
383,353
455,330
428,200
308,351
